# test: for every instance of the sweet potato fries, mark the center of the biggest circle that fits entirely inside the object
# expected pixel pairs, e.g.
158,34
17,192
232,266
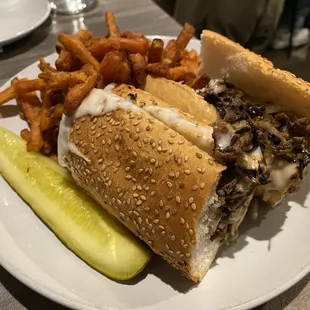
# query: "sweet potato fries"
85,62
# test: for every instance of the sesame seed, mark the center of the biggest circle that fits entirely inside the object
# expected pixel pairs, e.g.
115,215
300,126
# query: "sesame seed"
113,200
182,242
152,193
161,227
153,181
202,185
191,200
134,187
148,128
153,144
150,226
193,242
179,161
139,188
173,134
156,221
163,233
139,202
117,147
147,188
198,155
210,161
156,211
181,142
140,220
116,138
193,206
140,170
159,149
195,187
100,161
161,203
135,195
187,172
169,184
185,246
119,201
128,177
191,232
152,161
136,123
168,159
136,213
167,214
134,154
177,174
167,247
186,204
147,209
145,178
127,169
143,198
139,144
172,237
188,255
145,140
182,220
170,141
178,199
171,175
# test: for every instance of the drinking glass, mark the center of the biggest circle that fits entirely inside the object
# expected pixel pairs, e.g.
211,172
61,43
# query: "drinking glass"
69,7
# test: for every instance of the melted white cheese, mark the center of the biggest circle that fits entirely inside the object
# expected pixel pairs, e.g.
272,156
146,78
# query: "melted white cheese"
98,102
252,159
217,86
281,179
197,134
73,149
224,140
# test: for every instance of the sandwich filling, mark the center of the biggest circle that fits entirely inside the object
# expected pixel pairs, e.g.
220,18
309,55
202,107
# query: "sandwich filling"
262,145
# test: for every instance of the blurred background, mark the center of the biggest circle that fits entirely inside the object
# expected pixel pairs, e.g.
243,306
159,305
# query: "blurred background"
277,29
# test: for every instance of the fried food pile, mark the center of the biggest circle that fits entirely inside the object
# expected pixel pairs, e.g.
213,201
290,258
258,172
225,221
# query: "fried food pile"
85,62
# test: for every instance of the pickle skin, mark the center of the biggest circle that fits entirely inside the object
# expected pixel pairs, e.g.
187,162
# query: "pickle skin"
20,177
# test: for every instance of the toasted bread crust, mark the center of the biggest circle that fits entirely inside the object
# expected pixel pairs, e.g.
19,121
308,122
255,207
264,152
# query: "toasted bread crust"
145,174
252,73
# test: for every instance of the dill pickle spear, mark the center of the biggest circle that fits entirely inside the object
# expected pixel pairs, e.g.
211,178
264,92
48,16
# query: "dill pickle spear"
75,218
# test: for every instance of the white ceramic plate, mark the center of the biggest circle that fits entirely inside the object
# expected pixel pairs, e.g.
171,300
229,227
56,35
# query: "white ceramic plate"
268,258
20,17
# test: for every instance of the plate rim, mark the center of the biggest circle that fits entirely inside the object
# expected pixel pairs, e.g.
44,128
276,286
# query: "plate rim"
24,32
37,287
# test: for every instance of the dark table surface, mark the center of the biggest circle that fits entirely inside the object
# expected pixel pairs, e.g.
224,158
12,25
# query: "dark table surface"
139,15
